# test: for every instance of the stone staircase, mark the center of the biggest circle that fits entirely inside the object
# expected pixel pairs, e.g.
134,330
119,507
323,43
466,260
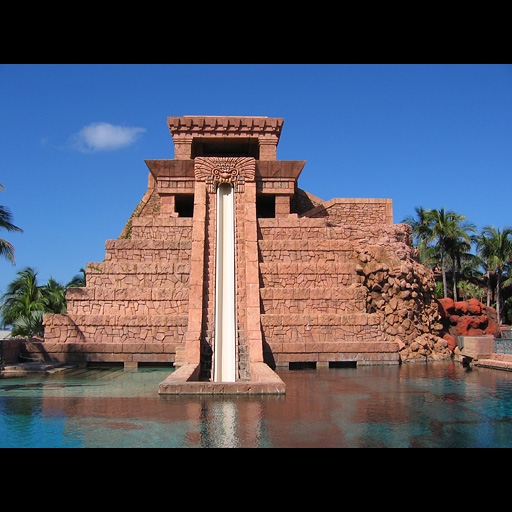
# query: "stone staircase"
139,294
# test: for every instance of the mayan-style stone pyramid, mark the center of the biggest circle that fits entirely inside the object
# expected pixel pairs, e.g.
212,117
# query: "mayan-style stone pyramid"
312,281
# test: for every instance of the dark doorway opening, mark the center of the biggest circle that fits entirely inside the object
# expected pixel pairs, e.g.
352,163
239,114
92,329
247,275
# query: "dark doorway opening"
184,205
265,206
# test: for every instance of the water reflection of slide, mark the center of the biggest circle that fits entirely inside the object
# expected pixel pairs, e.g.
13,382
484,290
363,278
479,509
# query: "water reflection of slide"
224,424
225,311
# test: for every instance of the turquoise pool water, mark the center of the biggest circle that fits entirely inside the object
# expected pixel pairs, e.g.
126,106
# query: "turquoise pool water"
439,404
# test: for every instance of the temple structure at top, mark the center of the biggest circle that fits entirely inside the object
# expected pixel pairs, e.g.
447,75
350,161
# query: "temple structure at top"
226,269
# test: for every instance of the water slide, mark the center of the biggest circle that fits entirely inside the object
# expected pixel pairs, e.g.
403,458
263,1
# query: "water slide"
225,307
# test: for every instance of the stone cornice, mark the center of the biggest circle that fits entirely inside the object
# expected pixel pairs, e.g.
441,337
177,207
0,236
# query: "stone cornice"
171,168
212,126
260,170
288,169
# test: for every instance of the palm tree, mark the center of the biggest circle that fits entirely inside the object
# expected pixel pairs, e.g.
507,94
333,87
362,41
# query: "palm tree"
446,231
451,232
483,246
428,255
26,302
495,247
466,289
507,303
54,297
420,227
77,280
458,251
6,248
28,326
23,304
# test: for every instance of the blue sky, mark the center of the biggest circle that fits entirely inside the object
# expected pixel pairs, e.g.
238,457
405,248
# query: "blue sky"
74,138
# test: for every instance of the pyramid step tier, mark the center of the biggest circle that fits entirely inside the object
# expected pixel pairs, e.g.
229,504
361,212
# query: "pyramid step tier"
161,227
148,250
366,352
311,229
115,328
320,328
345,299
308,274
88,293
126,301
137,274
321,251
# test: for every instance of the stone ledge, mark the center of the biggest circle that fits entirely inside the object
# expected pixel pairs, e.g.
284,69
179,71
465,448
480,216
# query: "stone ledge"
502,357
146,245
183,381
494,364
361,358
116,320
476,347
321,319
303,268
336,347
128,267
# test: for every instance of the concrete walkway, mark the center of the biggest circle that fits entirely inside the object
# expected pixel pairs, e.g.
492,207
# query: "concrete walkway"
496,361
22,369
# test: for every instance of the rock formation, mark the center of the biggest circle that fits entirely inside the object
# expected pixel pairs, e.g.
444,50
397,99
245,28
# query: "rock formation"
467,318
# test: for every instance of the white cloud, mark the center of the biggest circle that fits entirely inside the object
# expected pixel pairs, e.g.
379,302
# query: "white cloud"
104,137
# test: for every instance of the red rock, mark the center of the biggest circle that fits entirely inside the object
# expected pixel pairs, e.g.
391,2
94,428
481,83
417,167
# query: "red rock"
454,319
467,318
461,307
474,306
462,326
452,343
493,329
448,304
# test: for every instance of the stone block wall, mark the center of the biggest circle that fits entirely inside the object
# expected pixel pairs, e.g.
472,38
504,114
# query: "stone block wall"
358,213
313,300
135,305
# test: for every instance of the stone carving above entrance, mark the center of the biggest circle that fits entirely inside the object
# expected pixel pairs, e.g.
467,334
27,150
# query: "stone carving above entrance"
218,170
